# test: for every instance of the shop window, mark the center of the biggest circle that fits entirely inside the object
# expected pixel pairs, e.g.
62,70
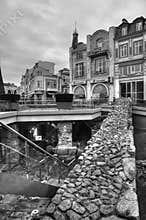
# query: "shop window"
135,90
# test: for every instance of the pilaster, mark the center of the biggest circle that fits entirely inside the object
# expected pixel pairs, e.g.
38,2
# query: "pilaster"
116,82
144,76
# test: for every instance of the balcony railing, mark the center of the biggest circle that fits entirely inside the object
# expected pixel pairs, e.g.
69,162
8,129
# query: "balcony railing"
98,52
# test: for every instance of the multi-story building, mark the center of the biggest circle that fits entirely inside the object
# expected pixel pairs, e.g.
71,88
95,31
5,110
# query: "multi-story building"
92,66
130,59
111,64
78,68
100,64
39,82
63,80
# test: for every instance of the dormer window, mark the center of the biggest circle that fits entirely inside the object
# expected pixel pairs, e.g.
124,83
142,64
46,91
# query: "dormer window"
139,26
124,31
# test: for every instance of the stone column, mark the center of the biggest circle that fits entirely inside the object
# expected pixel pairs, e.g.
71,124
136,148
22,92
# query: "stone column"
65,134
144,67
116,82
111,62
88,69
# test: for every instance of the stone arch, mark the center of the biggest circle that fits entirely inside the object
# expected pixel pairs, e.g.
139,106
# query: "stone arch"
100,90
79,92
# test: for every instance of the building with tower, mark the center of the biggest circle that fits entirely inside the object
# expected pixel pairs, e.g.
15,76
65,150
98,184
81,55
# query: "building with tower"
111,64
92,66
78,68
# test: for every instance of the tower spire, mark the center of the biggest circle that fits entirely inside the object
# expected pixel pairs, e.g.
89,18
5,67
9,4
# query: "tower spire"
75,27
75,38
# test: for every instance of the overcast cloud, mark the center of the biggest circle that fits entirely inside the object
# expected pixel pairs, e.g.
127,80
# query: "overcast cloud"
42,29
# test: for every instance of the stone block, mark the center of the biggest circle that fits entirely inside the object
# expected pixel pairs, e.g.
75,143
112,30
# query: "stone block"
128,205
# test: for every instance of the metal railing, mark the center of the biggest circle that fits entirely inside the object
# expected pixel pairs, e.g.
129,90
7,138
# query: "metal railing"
29,158
33,145
94,103
22,164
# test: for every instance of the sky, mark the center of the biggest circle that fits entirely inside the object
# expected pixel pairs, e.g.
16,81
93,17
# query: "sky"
34,30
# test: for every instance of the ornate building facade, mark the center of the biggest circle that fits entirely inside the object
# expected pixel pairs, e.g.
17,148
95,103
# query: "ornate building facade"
78,68
111,64
92,66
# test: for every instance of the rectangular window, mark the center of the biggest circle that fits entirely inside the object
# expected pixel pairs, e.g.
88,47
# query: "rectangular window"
135,90
137,68
124,70
137,47
124,31
139,26
100,65
79,70
123,50
79,55
131,69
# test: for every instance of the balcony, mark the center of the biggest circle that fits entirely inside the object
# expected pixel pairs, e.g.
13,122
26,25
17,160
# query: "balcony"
99,52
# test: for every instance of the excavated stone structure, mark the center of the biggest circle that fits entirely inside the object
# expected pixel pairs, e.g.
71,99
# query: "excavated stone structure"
102,185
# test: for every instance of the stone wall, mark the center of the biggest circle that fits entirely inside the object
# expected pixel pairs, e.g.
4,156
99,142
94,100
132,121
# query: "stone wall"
102,185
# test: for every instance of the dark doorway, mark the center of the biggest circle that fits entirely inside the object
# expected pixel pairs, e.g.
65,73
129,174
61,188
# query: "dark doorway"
81,132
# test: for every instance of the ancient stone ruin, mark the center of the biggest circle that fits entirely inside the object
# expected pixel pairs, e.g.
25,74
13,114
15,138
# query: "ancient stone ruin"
102,184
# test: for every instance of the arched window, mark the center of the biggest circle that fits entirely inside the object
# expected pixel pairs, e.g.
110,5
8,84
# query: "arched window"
99,91
79,92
